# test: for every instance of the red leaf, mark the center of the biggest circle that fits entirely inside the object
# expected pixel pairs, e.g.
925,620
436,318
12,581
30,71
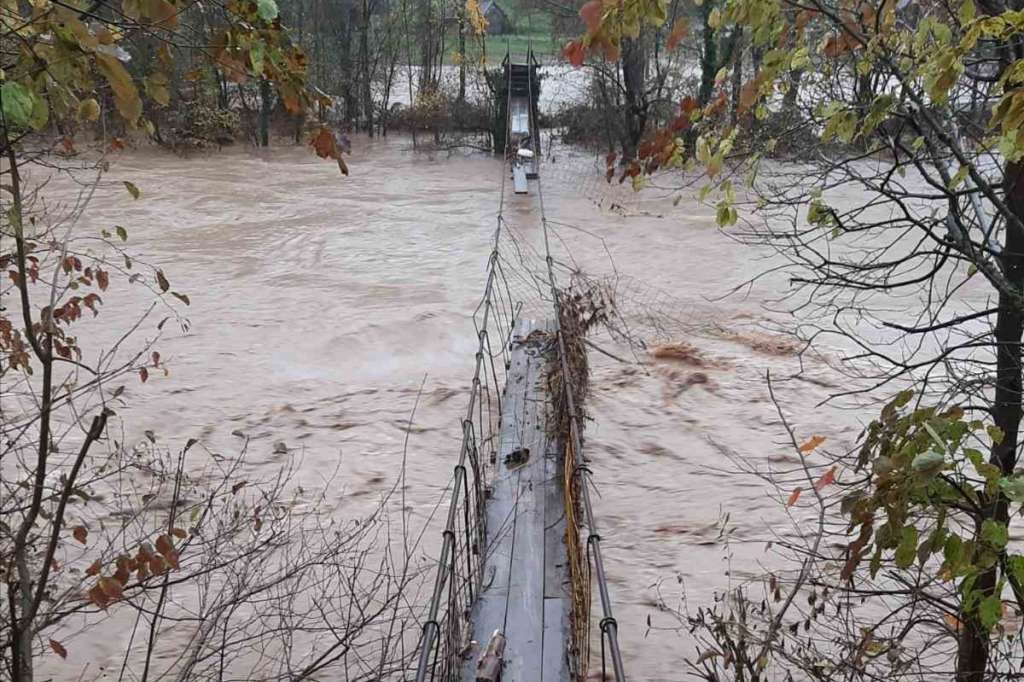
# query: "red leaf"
679,30
324,144
98,597
102,279
591,14
574,53
144,374
156,359
58,648
179,533
164,545
94,568
794,496
80,533
827,478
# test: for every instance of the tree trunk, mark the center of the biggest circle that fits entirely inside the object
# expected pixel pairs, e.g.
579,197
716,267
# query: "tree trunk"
364,63
462,53
973,649
737,74
265,101
708,56
634,69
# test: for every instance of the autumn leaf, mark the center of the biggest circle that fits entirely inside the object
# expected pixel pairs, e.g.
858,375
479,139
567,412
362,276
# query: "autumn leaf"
181,297
156,359
94,568
679,30
88,110
80,533
324,144
58,648
827,478
126,96
111,588
144,375
102,279
164,545
98,597
749,93
574,53
238,486
952,621
162,13
811,444
835,46
179,533
794,496
132,189
591,14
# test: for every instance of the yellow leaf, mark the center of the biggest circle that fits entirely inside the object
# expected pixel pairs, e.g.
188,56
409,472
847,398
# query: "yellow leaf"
812,442
88,110
126,96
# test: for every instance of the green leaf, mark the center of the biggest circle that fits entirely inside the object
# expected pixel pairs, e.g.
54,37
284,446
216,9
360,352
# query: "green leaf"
17,104
928,463
1013,488
1015,567
990,611
40,112
966,12
994,533
267,9
958,179
906,552
132,189
122,233
256,57
995,433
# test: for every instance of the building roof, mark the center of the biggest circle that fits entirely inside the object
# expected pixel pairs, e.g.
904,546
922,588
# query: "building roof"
487,5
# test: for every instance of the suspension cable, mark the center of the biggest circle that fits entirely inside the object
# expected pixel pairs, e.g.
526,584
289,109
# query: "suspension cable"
431,628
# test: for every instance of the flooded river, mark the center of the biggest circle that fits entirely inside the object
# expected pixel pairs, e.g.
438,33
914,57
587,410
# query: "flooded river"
320,304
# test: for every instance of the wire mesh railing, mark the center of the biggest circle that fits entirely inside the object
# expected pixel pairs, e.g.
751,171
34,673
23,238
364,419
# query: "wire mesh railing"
461,561
516,273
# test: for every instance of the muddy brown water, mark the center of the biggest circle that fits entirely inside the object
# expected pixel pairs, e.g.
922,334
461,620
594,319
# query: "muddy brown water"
320,304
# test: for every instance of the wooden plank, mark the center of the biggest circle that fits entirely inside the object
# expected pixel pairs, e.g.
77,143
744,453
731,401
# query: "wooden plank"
555,664
519,179
523,534
556,570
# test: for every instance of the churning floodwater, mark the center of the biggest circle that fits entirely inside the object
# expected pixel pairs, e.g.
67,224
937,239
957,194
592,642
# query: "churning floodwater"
321,304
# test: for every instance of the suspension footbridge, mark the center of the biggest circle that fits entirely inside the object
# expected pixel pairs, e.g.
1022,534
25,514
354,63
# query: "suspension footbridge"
521,554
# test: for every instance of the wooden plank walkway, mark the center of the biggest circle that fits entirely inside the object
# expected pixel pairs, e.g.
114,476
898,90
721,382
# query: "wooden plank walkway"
525,592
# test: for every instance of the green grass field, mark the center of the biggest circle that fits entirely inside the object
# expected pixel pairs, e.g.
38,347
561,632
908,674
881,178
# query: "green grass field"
530,28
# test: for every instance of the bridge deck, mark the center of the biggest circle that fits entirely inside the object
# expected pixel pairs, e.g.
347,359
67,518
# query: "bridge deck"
525,593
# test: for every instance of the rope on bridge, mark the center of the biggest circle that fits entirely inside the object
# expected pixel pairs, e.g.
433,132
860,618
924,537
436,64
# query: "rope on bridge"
459,577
